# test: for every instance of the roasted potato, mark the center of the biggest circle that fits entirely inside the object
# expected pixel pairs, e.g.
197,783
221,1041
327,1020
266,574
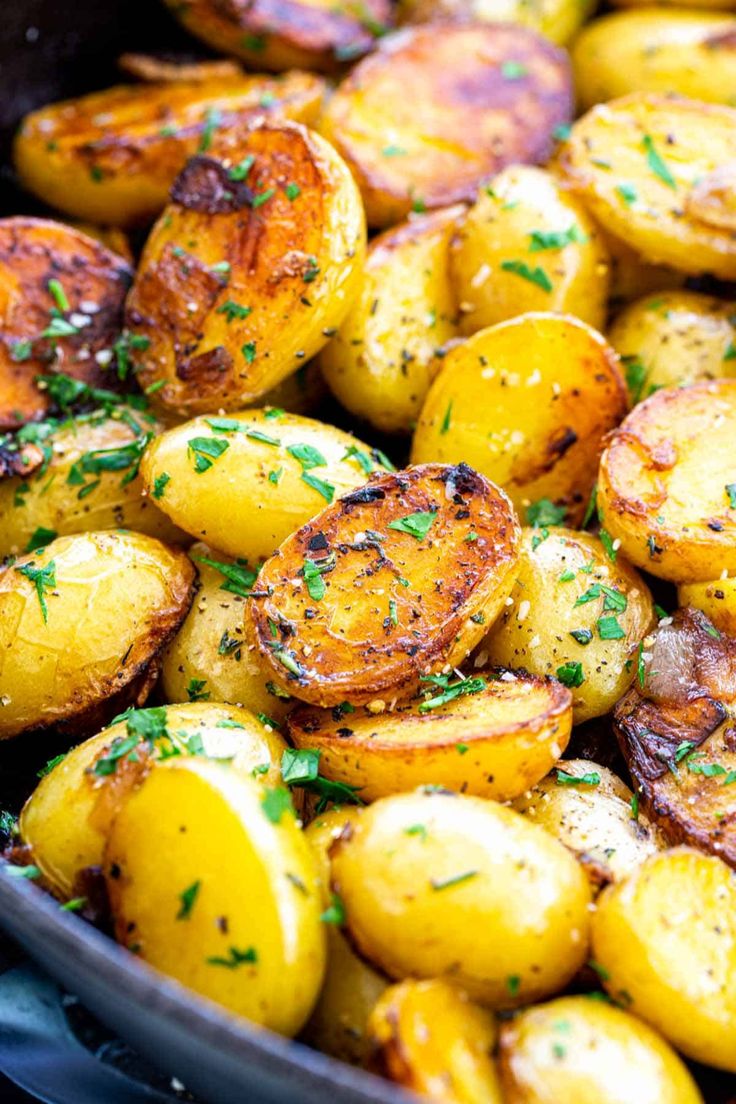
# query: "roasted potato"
639,163
438,108
632,277
248,271
666,486
717,600
61,306
380,362
577,1049
575,614
527,403
392,582
234,912
492,734
719,4
674,337
443,885
112,237
665,941
245,482
526,245
83,620
557,20
428,1037
111,156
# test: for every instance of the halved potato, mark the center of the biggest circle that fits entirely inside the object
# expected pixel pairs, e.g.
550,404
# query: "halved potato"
527,245
247,481
462,101
667,482
557,20
61,308
428,1037
527,403
492,734
111,156
717,600
393,581
636,161
273,239
382,359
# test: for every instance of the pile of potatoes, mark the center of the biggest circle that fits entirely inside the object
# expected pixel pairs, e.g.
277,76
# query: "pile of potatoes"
414,735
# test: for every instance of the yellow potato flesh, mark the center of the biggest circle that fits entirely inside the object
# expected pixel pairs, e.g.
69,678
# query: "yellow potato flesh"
717,600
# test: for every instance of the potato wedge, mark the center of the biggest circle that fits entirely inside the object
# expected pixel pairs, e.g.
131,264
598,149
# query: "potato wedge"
463,101
391,582
269,268
83,619
574,614
527,403
429,1038
666,940
49,274
667,483
247,481
110,157
234,913
717,600
526,245
557,20
381,361
635,163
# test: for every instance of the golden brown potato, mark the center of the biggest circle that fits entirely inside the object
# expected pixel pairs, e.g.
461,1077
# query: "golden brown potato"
713,198
725,5
392,582
111,156
557,20
61,307
82,620
636,161
575,614
249,269
429,1038
717,600
381,361
462,101
526,245
666,485
527,403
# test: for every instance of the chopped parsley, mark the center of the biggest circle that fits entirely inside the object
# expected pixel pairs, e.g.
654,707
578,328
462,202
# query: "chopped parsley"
335,914
41,537
275,802
233,310
534,275
544,512
196,690
324,488
416,525
656,163
555,239
187,898
43,579
450,690
206,450
235,958
454,880
159,485
592,778
239,577
571,674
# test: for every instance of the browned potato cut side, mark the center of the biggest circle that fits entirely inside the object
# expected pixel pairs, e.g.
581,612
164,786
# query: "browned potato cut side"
391,582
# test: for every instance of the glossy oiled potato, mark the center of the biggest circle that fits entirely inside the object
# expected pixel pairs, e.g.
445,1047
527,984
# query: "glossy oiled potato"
579,1050
666,483
527,403
443,885
81,621
111,156
717,600
393,581
666,940
438,108
251,266
575,614
557,20
67,819
640,162
526,245
246,481
429,1038
234,911
380,362
497,734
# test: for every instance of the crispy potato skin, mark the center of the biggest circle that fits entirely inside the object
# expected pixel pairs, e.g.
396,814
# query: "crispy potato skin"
32,252
354,644
113,601
254,495
717,600
110,157
663,478
222,339
557,20
429,1038
576,1049
665,937
527,403
239,857
627,135
534,632
382,359
455,117
518,213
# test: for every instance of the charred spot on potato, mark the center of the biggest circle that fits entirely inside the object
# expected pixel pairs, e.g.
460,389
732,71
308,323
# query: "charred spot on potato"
204,185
